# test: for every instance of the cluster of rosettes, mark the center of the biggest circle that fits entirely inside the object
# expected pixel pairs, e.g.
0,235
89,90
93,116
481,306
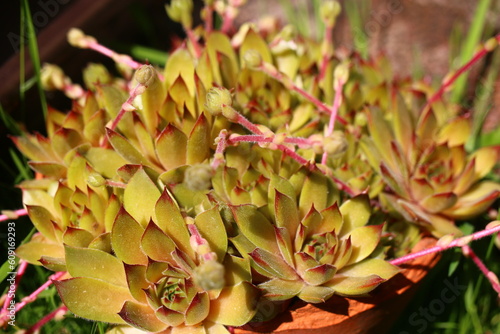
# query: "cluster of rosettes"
223,180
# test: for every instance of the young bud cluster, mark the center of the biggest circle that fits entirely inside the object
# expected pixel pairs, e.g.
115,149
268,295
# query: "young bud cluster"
198,177
209,275
217,99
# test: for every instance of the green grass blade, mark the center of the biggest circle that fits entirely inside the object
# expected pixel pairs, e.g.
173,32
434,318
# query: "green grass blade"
483,101
143,53
357,15
320,25
33,50
22,166
9,122
474,36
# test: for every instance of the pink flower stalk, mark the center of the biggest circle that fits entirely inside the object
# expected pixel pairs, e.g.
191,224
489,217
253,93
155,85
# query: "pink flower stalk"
326,56
460,242
32,297
19,274
7,214
467,251
489,46
126,106
274,73
221,142
337,101
58,312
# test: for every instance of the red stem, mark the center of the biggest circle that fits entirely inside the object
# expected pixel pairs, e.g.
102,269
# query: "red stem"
280,77
460,242
326,57
126,106
47,318
449,81
32,297
127,60
19,274
488,273
194,42
12,214
337,101
221,147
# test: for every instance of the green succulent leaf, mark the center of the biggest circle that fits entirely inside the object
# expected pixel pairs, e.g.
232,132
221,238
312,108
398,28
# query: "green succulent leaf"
77,237
93,299
237,298
355,213
273,264
211,227
141,316
364,240
198,144
279,289
169,219
43,221
33,250
125,149
126,239
198,309
156,244
140,197
316,294
94,263
171,147
255,227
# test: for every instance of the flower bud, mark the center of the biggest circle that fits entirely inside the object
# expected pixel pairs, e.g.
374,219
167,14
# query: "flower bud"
198,177
52,77
335,145
252,58
96,180
145,75
360,119
209,275
491,44
217,99
78,39
329,11
341,73
180,11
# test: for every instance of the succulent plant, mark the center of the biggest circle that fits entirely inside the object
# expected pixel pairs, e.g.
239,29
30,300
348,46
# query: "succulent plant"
226,179
159,269
431,177
314,255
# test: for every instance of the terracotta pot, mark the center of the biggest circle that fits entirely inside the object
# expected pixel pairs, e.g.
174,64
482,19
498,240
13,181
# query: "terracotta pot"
373,314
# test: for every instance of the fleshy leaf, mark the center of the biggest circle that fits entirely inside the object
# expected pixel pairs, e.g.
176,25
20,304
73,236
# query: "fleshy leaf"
93,263
126,239
255,226
355,213
198,309
157,244
169,219
279,289
93,299
141,316
171,147
364,240
211,227
140,196
316,294
240,300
